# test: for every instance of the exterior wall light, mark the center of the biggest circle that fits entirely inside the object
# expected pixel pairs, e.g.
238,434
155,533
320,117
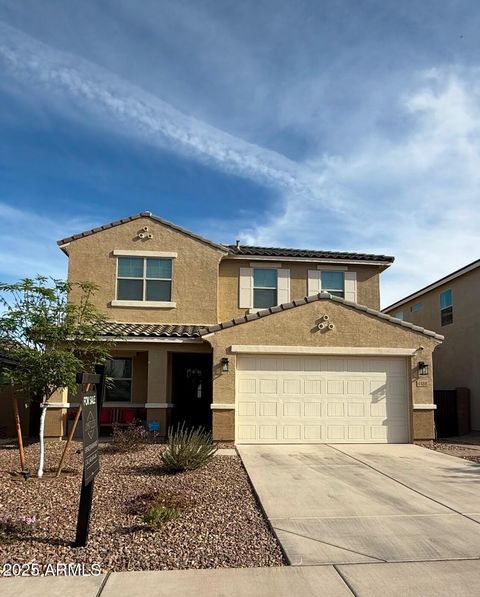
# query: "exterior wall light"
225,362
422,368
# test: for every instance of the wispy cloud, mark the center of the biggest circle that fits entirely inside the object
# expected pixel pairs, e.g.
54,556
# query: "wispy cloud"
417,197
143,114
414,194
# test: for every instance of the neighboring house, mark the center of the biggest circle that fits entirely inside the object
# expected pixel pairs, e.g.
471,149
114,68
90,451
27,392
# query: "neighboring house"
7,397
452,305
261,345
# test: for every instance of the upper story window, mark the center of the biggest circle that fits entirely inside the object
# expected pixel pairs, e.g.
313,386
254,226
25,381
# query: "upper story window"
416,307
399,315
446,307
119,388
265,284
144,279
334,283
263,287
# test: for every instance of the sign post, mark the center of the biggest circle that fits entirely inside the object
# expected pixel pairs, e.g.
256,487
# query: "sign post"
90,401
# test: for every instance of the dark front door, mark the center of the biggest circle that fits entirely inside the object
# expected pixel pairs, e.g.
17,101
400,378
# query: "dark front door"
192,389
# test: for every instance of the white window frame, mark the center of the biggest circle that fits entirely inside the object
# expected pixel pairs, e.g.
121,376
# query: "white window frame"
130,379
143,302
264,287
442,309
330,291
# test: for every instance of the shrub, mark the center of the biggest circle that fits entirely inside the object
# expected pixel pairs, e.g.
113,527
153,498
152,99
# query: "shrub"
187,449
11,528
156,516
129,438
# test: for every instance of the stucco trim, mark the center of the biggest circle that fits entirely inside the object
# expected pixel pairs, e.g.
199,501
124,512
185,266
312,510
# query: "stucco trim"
319,260
144,304
424,407
222,406
135,253
159,405
327,350
311,299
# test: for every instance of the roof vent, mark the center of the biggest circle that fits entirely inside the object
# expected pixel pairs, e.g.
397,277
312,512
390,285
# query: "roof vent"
237,243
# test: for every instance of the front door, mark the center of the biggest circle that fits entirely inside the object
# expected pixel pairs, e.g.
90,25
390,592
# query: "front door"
192,389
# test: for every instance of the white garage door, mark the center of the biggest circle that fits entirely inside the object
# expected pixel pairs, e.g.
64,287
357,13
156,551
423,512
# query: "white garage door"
298,399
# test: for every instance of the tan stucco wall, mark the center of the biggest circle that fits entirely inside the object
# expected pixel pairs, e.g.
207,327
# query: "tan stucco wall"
7,417
457,360
368,279
297,327
195,272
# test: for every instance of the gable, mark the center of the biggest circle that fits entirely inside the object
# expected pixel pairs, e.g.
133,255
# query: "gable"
141,221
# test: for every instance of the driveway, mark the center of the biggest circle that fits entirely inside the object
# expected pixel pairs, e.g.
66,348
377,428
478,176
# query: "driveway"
352,504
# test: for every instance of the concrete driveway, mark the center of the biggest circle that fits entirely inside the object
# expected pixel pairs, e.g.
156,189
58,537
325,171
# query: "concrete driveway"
352,504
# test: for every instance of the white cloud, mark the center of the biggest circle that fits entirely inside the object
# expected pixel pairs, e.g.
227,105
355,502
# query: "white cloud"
28,243
143,114
415,195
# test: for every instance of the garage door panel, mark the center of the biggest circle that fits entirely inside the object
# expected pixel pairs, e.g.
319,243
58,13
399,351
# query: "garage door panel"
292,386
310,399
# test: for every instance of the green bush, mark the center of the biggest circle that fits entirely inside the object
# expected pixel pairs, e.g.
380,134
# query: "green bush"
187,449
156,516
129,438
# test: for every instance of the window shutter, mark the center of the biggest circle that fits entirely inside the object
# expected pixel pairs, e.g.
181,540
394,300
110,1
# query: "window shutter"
313,282
351,286
245,298
283,287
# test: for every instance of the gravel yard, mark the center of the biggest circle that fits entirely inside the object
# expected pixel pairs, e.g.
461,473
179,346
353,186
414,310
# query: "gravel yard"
461,449
221,525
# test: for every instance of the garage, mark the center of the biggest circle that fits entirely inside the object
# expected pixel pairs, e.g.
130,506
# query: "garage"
321,399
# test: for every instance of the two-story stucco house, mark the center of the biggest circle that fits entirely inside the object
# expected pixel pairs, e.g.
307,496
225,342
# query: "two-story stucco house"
261,345
451,305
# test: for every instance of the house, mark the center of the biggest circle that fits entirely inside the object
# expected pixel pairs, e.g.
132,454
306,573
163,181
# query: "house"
7,397
260,345
451,305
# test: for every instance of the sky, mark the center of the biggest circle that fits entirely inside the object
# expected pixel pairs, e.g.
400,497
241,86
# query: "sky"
331,124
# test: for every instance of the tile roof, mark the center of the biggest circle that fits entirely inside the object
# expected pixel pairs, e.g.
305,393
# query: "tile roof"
312,299
307,253
234,249
147,330
143,214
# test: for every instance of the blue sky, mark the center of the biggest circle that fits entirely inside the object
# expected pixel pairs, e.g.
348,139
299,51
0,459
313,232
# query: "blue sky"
344,124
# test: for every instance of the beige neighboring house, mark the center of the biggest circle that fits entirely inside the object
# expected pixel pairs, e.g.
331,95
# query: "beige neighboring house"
260,345
452,305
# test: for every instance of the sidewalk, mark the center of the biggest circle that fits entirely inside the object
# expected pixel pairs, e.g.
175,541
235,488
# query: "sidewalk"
453,578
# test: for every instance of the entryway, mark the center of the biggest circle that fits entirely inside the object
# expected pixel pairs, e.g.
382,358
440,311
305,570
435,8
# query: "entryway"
192,389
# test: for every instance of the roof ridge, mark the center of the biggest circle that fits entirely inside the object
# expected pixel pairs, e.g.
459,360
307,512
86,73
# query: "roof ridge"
311,299
257,250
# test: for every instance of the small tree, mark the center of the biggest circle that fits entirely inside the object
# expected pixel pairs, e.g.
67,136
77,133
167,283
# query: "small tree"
49,338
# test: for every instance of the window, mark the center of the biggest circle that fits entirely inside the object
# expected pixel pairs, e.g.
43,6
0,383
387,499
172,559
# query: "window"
399,315
144,279
416,307
264,288
334,283
119,386
446,307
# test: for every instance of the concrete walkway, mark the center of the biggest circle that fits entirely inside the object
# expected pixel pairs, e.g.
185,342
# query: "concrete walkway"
423,579
353,504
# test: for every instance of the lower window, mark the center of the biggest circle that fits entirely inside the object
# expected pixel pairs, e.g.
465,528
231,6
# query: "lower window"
119,380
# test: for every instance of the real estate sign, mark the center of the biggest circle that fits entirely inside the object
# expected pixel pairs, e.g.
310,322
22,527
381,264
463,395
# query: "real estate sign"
90,436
